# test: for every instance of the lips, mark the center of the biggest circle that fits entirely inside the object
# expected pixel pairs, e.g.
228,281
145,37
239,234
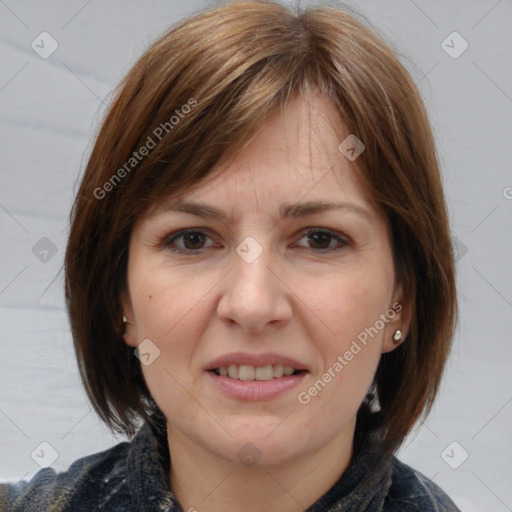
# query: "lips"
244,376
255,389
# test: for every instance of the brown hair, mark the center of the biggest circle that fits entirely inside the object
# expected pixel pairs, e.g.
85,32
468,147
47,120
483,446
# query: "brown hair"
206,86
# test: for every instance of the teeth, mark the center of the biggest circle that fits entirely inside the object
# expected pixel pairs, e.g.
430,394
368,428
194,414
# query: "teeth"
264,373
247,372
233,371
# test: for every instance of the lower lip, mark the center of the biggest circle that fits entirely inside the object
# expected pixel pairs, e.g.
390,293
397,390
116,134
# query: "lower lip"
256,389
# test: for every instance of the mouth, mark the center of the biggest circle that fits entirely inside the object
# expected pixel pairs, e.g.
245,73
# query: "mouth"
244,376
260,373
250,376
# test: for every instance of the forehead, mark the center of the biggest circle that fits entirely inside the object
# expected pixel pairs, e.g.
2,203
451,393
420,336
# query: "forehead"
293,157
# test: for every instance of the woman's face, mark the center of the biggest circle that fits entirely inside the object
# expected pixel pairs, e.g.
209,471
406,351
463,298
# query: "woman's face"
267,280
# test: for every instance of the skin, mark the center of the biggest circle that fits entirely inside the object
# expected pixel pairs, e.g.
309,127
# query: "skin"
295,299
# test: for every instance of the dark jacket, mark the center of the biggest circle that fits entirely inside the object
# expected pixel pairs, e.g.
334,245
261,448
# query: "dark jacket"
133,476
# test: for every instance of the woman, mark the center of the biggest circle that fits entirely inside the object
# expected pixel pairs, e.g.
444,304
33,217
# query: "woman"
259,274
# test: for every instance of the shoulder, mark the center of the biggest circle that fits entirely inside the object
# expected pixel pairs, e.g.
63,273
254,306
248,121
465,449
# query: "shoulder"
90,483
411,491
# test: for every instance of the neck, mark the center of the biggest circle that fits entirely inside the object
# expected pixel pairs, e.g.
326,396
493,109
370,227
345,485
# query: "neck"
203,481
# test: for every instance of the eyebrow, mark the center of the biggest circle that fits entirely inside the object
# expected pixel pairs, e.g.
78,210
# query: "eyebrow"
287,211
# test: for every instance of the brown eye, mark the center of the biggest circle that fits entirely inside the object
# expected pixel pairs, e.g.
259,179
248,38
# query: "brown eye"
188,241
319,239
324,241
194,240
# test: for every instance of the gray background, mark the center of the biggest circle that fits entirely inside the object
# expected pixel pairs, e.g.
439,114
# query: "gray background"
50,109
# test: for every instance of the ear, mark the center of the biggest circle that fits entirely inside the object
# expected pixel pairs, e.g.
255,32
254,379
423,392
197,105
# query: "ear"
130,330
399,314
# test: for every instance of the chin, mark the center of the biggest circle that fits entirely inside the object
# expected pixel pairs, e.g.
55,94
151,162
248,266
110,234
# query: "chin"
268,443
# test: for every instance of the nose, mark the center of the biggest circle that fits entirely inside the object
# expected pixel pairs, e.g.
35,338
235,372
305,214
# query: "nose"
254,294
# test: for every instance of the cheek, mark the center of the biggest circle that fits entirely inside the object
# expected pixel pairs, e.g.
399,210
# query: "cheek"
170,313
172,310
347,303
349,336
166,299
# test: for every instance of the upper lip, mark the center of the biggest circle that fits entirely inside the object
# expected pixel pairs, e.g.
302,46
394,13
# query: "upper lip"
265,359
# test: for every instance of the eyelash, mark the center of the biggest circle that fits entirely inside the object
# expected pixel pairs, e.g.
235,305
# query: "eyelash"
170,239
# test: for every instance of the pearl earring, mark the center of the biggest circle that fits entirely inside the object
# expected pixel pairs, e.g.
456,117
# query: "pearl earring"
397,336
